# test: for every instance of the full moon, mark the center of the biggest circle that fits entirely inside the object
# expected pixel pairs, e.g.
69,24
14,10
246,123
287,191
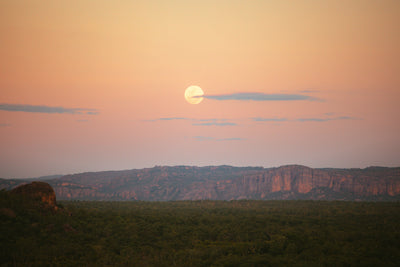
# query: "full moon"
193,94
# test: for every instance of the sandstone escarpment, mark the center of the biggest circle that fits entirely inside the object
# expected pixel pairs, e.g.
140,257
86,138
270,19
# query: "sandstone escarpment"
303,180
228,183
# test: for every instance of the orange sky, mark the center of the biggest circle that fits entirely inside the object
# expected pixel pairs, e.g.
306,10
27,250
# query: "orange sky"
129,63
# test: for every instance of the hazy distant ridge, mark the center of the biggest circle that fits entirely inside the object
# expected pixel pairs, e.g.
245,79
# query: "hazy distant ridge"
228,183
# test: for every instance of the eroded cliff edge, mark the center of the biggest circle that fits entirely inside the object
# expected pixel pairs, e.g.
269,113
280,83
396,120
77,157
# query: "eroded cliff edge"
229,183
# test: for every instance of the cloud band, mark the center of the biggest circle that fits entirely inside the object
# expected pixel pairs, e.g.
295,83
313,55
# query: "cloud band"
47,109
261,97
258,119
208,138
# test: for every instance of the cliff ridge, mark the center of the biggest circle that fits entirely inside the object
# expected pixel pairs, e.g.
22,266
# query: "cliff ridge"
164,183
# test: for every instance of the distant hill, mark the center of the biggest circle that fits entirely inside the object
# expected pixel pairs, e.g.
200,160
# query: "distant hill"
163,183
45,178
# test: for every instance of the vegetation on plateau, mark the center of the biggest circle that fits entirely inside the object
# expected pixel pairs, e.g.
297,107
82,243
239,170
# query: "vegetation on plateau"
199,233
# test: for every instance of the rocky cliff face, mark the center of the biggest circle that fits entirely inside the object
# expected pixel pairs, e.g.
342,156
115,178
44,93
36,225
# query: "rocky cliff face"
228,183
298,181
39,191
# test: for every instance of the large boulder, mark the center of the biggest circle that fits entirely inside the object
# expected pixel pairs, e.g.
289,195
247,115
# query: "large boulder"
40,191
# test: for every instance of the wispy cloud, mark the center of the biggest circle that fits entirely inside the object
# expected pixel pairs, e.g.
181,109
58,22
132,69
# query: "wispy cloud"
173,118
203,138
261,97
269,119
47,109
309,91
208,138
212,120
214,124
232,139
5,125
227,122
199,122
314,119
92,112
311,119
170,119
326,119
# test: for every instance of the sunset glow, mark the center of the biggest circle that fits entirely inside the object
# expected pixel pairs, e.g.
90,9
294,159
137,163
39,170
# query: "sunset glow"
98,85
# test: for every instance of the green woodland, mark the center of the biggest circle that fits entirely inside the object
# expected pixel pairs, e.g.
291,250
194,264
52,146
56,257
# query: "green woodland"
199,233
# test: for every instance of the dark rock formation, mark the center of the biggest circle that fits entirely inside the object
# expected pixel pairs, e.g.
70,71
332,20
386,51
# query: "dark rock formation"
7,212
39,191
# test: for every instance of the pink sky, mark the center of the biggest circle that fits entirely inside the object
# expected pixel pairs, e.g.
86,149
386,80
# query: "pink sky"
99,85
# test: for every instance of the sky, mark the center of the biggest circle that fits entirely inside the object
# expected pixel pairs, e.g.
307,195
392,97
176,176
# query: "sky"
92,85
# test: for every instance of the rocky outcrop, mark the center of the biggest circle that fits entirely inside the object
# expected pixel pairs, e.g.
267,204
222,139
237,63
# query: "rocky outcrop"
229,183
299,181
39,191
